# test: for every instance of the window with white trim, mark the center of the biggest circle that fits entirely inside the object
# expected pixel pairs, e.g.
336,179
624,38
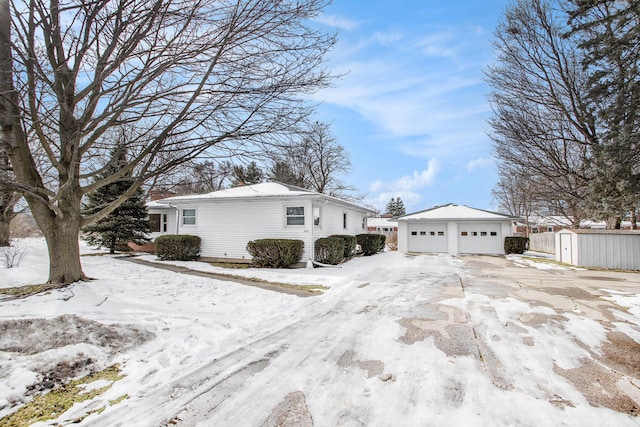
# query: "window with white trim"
295,215
344,220
158,223
188,217
317,210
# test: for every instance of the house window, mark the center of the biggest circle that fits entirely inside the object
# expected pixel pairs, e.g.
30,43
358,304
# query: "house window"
440,233
295,215
549,229
344,220
316,216
158,223
474,233
433,233
483,233
414,233
464,233
364,222
494,233
188,217
423,233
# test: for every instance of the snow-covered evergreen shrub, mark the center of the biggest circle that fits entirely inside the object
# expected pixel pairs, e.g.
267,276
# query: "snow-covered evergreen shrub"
174,247
371,243
516,244
350,243
330,250
275,253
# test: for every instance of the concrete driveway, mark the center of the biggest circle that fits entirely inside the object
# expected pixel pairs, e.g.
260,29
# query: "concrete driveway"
429,341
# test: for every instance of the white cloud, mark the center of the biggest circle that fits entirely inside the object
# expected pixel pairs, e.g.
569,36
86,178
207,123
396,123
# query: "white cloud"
478,163
337,22
408,183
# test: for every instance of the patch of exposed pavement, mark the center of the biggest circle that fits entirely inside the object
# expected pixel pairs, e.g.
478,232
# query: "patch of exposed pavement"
291,412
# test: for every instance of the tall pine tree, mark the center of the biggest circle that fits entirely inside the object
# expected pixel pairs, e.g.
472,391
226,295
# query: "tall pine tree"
609,32
128,222
395,207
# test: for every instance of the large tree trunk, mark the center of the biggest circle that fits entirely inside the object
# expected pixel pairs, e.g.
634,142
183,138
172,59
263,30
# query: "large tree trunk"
61,230
634,220
64,253
5,231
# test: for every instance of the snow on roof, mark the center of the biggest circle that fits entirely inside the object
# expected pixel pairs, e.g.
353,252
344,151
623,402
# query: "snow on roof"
453,211
265,189
382,222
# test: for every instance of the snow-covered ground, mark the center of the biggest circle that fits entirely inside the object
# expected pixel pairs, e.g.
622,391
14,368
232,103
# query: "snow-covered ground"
395,340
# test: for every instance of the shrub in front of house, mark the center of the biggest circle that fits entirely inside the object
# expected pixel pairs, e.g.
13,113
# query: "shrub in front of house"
275,253
516,245
330,250
177,247
371,243
350,243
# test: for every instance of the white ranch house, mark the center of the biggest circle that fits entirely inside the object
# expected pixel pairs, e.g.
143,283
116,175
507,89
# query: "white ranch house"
227,220
454,229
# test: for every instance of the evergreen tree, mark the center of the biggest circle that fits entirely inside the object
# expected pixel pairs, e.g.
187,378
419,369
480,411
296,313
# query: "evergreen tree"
249,175
400,211
282,172
609,33
391,206
395,207
128,222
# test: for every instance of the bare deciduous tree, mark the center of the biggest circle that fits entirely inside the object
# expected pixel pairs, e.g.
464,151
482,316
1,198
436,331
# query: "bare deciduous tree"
541,124
8,201
318,160
182,77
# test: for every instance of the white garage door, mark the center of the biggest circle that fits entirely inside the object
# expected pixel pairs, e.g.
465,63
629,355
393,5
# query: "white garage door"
427,237
479,238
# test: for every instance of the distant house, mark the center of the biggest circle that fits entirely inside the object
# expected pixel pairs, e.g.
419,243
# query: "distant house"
541,224
226,220
454,229
384,224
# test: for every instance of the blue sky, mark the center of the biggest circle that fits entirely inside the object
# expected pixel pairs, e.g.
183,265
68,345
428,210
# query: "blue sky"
412,106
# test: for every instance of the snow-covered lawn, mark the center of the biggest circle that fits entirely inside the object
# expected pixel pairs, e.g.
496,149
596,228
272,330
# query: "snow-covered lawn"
395,340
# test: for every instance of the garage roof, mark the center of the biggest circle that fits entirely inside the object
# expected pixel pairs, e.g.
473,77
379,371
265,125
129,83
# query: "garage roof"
452,211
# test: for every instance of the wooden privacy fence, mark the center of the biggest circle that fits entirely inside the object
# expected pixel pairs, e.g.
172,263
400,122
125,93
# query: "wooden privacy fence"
543,242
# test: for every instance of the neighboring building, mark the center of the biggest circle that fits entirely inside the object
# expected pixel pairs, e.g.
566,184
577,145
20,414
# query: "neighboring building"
541,224
619,249
384,224
454,229
226,220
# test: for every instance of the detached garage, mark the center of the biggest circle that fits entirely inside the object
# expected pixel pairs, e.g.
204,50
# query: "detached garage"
454,229
619,249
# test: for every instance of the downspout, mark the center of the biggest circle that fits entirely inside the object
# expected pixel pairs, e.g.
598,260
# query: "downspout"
177,217
313,226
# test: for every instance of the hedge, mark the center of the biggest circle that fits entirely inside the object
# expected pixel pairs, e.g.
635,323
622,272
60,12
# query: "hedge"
350,243
177,247
371,243
275,253
516,244
330,250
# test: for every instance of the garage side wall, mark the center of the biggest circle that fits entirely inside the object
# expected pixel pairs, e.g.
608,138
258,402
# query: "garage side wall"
619,251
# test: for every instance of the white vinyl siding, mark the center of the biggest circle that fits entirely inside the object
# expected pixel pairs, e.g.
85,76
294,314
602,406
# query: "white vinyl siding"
226,226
